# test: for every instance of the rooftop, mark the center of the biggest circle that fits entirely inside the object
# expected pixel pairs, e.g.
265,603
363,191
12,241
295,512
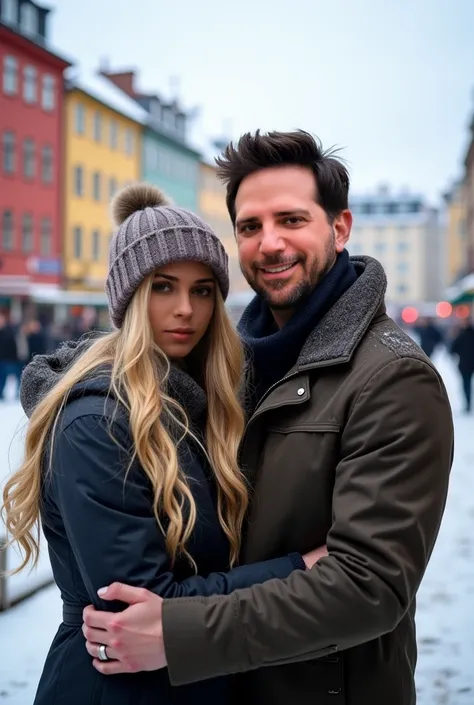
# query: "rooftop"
106,92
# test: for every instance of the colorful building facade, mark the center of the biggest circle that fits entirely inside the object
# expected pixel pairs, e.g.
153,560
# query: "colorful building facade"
456,233
171,166
403,232
169,161
213,209
31,141
103,153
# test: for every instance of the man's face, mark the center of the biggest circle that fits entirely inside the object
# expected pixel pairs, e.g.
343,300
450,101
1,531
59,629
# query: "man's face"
286,244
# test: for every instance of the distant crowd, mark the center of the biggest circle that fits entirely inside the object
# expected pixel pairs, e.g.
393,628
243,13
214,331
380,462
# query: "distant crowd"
20,342
458,341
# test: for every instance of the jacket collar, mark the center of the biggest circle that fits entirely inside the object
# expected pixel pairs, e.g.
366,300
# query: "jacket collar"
338,334
334,340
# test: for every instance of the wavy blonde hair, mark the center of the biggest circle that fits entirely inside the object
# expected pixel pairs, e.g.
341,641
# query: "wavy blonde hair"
139,372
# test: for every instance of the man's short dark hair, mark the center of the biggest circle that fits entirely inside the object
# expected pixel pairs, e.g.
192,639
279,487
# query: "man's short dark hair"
254,152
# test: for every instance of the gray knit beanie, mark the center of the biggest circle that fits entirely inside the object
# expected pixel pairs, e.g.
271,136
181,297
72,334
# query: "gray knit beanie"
152,233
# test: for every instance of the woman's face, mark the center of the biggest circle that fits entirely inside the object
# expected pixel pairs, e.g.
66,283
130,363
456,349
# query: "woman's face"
181,305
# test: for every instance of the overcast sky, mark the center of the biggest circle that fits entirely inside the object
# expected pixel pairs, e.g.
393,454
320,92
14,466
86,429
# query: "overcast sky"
390,81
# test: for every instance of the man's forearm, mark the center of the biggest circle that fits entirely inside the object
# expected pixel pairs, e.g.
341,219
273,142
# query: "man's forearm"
305,616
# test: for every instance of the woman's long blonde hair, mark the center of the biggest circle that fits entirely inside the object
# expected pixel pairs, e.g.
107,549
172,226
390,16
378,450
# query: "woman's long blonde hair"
139,371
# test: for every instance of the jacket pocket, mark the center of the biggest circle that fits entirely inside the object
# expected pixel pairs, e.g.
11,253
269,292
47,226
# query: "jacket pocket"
294,487
306,428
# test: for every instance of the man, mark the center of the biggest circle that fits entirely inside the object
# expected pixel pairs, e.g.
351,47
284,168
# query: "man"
9,362
349,443
430,336
463,348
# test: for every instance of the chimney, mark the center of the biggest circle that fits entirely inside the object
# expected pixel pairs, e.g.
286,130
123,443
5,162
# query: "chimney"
125,80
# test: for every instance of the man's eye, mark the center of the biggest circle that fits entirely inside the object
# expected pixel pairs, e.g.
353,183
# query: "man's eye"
293,220
250,228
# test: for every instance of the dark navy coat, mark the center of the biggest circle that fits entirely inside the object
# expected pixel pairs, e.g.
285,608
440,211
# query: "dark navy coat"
100,527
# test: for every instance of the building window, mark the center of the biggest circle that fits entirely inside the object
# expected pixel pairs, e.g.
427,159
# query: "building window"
112,187
77,242
27,233
113,134
29,84
96,186
78,181
47,164
380,247
95,246
97,126
10,11
48,93
80,119
129,142
181,125
29,19
402,289
7,231
168,118
10,75
402,267
28,158
150,155
8,148
45,237
402,246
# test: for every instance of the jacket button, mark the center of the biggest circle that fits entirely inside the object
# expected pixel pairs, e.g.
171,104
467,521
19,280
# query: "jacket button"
300,391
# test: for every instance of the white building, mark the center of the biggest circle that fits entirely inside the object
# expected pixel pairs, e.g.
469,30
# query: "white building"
403,232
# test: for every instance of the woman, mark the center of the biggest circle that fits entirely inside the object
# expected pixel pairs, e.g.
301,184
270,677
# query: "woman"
131,449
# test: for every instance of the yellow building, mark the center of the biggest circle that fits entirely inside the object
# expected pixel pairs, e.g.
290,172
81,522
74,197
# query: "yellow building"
102,154
456,233
213,209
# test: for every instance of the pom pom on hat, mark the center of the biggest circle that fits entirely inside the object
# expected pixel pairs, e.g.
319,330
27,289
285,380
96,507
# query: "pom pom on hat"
136,197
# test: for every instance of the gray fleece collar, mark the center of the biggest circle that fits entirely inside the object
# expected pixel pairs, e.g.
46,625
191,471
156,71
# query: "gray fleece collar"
44,371
338,334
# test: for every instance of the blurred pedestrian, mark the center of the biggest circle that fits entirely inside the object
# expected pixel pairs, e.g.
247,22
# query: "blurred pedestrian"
9,360
430,336
463,348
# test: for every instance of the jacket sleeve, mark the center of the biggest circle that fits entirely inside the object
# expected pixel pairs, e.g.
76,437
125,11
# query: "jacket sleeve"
110,524
389,496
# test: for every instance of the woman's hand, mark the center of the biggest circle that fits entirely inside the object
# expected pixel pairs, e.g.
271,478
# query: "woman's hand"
313,556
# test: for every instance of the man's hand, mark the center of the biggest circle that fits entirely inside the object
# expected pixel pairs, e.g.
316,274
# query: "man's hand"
314,556
134,637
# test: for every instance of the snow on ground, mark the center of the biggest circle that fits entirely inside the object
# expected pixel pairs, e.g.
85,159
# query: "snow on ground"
445,617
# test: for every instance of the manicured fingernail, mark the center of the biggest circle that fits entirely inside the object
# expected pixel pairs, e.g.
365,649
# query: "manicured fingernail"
102,591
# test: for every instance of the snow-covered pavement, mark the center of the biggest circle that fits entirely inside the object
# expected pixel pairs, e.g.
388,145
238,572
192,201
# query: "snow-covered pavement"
445,674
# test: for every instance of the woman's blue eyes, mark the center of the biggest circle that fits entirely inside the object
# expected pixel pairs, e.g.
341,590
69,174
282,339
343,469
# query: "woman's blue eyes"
164,288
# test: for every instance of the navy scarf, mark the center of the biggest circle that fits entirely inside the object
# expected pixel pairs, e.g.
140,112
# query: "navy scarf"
274,351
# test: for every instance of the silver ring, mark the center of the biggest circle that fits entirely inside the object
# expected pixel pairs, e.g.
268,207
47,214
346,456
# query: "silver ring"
103,653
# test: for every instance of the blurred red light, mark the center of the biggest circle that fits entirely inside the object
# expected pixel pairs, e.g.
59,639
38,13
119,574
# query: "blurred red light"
409,314
444,309
463,311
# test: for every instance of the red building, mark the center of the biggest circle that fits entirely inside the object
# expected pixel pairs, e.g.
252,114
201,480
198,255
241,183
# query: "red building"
31,144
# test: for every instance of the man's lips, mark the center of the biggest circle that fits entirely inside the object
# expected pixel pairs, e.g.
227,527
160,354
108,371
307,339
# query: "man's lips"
281,270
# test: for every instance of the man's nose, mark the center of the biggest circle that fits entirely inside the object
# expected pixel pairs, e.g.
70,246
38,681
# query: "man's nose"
271,242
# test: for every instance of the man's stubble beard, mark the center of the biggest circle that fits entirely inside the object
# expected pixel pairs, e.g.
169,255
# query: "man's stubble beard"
300,291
